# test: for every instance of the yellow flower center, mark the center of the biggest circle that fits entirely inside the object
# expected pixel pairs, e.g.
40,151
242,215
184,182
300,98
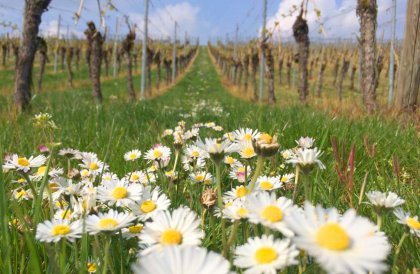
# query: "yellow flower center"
195,153
230,160
266,138
84,173
21,193
333,237
248,152
199,177
119,192
171,237
60,230
135,229
132,156
241,169
272,213
93,166
148,206
266,185
107,223
91,267
21,180
228,204
66,214
265,255
242,212
241,191
248,137
41,171
157,154
134,177
53,186
23,161
413,223
284,179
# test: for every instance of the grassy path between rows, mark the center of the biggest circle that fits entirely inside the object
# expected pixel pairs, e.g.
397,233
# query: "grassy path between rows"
117,127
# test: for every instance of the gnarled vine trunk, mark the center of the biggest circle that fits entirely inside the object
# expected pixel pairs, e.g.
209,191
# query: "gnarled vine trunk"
95,42
367,12
32,19
300,33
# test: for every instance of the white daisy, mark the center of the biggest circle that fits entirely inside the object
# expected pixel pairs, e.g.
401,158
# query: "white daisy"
41,171
132,231
245,150
181,227
306,158
287,178
266,183
201,177
288,154
182,259
305,142
22,194
108,177
264,208
55,230
239,192
151,202
65,214
340,244
93,165
190,164
110,221
120,193
132,155
158,153
238,172
136,177
167,132
58,186
24,164
215,149
235,211
265,255
245,135
229,160
70,153
412,222
194,152
388,200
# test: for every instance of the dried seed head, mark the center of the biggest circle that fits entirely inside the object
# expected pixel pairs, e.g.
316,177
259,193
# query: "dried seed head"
209,197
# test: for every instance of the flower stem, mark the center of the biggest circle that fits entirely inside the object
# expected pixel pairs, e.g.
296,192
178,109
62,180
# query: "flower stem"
297,172
379,220
106,257
176,160
220,205
258,170
397,252
233,234
63,256
307,187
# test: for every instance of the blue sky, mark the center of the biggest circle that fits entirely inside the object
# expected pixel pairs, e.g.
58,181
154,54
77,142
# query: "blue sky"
209,19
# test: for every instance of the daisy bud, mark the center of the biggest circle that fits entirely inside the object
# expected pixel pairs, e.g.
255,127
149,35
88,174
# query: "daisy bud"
265,145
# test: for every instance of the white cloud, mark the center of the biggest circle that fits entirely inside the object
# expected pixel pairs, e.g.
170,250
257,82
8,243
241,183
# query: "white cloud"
339,19
161,24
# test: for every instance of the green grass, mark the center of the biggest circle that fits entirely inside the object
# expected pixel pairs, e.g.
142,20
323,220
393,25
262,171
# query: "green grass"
117,126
